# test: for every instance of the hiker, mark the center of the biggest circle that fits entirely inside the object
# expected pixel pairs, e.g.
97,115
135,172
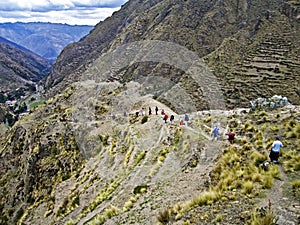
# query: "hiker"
215,133
172,119
163,112
186,119
150,111
181,121
231,135
166,118
156,110
275,150
143,111
137,113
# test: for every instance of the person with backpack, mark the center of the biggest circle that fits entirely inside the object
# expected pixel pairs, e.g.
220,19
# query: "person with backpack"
172,119
143,111
186,119
150,111
275,150
156,110
165,117
215,133
231,136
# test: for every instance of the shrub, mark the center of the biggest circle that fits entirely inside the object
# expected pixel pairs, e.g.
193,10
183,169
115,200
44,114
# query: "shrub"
144,119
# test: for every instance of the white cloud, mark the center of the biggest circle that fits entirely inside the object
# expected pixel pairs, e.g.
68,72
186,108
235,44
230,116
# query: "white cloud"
80,12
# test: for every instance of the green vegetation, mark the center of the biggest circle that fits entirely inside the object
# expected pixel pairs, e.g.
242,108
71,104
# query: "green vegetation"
36,104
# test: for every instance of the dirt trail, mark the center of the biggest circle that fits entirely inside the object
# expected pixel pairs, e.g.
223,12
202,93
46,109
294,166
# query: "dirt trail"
286,210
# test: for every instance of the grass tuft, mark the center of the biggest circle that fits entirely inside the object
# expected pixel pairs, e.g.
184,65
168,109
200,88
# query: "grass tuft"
248,187
164,216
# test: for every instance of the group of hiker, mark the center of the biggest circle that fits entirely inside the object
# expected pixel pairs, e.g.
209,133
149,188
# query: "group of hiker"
182,120
274,151
216,133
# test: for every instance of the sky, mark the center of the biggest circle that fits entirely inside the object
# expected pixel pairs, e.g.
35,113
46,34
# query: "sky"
73,12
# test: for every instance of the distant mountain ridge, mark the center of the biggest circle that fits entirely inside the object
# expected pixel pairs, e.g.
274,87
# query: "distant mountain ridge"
44,39
13,44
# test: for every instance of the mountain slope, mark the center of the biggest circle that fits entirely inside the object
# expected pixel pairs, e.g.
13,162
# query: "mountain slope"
201,27
44,39
87,156
19,67
70,164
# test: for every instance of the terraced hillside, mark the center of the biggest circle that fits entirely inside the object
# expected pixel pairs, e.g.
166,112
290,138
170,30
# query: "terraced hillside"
266,65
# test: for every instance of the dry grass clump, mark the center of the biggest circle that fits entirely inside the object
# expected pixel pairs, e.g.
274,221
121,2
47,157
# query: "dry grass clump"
296,188
218,218
292,161
268,182
164,216
263,113
249,127
244,140
259,144
258,158
111,211
128,153
291,134
263,216
207,120
177,136
274,171
257,177
98,220
263,127
259,135
139,158
206,198
248,187
296,184
274,128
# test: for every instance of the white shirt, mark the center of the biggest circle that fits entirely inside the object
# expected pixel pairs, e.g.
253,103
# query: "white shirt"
276,146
